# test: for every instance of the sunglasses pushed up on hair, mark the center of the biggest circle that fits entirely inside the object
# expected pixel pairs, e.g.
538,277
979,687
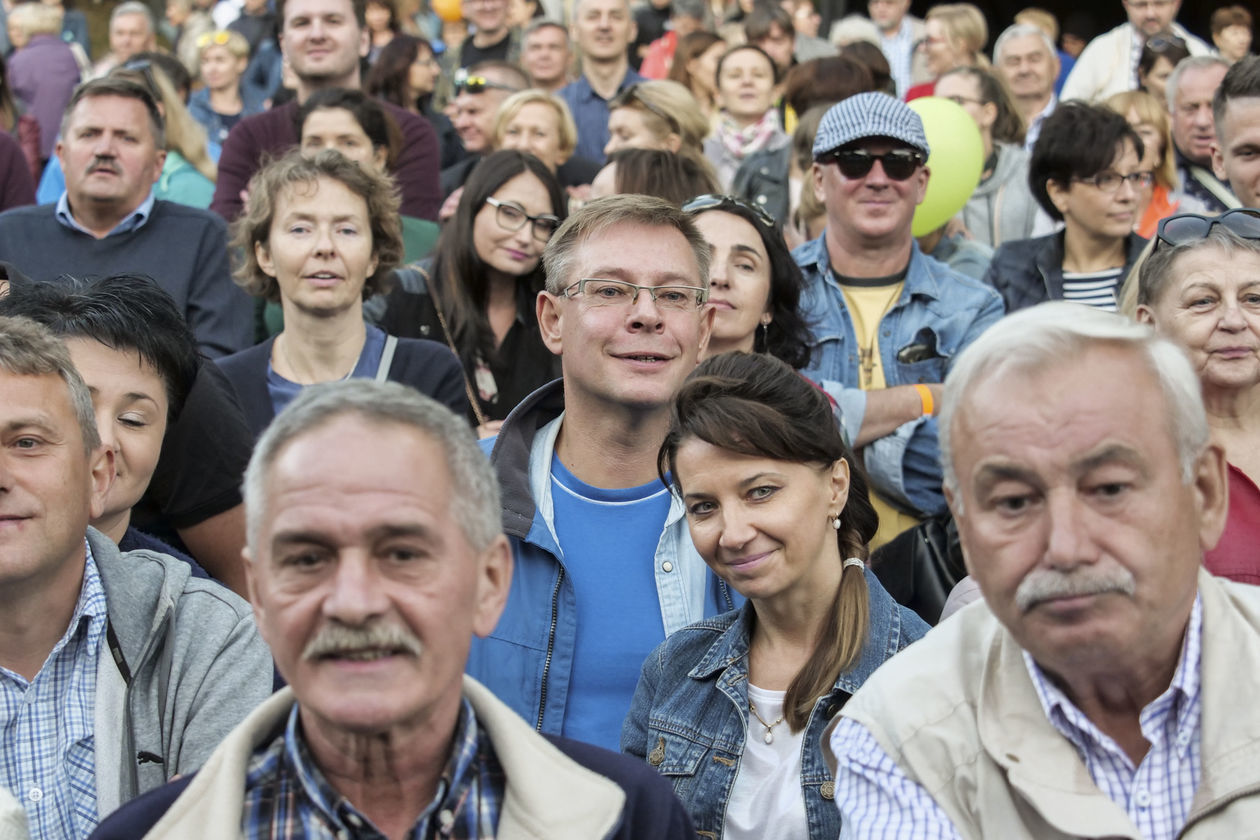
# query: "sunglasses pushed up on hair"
1190,227
898,164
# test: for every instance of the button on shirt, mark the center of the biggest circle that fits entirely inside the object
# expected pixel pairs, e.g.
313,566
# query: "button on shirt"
879,802
47,755
133,221
286,795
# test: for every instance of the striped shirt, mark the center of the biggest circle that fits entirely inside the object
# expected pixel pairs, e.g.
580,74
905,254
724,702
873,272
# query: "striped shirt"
48,753
1094,288
286,795
879,802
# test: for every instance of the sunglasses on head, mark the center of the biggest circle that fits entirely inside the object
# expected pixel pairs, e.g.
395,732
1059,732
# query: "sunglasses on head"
632,95
1162,44
218,38
899,164
478,84
1190,227
710,201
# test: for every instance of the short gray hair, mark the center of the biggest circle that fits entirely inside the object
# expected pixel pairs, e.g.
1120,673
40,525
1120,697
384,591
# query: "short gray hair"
598,216
133,7
1156,270
1194,62
474,485
1020,30
28,348
1042,336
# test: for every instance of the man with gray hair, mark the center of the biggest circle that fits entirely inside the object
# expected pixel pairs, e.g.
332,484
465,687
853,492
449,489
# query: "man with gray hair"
605,565
1191,89
118,671
1024,57
375,555
1084,697
131,31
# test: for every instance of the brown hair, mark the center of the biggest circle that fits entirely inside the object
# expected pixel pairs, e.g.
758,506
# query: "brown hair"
1009,125
275,180
754,404
826,81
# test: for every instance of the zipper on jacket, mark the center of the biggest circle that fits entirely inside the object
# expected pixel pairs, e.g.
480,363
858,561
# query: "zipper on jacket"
551,647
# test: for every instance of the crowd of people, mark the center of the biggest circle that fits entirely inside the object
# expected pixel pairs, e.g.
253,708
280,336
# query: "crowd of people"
613,419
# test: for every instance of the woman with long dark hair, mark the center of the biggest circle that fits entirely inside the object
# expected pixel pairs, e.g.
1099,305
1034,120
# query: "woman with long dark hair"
732,709
477,293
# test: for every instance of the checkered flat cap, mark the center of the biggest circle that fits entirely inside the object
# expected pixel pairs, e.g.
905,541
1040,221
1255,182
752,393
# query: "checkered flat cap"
869,115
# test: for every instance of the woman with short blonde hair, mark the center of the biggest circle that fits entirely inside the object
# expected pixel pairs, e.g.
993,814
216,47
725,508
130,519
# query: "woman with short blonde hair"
956,34
537,122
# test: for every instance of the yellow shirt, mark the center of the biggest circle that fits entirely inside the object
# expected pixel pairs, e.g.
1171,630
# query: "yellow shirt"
867,307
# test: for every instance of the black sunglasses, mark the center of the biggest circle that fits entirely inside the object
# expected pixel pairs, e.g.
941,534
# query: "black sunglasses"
1190,227
899,164
711,201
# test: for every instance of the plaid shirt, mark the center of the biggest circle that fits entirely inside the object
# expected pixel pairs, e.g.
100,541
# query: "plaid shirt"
48,753
286,795
880,802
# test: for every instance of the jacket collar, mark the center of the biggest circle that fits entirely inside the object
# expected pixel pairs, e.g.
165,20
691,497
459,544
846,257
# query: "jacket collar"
921,277
140,593
548,796
511,454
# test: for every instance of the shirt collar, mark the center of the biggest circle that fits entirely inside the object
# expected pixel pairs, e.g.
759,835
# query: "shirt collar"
135,220
1177,700
457,775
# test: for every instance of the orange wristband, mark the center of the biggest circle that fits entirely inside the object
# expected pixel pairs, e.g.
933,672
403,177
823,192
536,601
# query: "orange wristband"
925,398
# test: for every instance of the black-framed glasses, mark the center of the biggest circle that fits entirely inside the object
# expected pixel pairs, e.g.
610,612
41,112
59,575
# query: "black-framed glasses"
1109,182
512,216
596,291
712,201
899,164
479,84
1190,227
632,95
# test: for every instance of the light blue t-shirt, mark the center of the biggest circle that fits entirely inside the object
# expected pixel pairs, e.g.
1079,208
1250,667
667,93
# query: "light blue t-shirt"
609,539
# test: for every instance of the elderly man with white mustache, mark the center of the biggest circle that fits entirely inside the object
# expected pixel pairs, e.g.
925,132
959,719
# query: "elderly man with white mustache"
1105,686
375,555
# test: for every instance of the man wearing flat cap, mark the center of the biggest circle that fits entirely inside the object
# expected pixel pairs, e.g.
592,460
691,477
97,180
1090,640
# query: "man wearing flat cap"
887,319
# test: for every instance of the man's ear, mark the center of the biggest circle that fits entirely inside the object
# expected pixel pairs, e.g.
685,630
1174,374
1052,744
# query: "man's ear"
549,321
494,580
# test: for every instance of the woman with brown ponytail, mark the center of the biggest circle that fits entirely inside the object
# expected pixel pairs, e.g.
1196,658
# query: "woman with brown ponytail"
732,709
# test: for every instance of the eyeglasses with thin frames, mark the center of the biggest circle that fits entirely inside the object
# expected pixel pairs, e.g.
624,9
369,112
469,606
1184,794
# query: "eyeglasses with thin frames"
1109,182
512,216
596,291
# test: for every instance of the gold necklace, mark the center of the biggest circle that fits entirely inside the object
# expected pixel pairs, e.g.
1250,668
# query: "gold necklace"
769,736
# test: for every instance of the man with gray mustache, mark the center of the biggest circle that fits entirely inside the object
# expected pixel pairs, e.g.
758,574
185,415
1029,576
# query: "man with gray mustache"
375,555
1106,684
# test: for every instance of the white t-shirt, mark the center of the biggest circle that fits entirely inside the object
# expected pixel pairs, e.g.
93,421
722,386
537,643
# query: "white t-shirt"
766,800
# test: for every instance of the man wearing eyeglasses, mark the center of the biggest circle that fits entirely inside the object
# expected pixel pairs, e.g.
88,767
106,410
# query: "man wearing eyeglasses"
604,565
1236,114
884,314
322,42
1109,63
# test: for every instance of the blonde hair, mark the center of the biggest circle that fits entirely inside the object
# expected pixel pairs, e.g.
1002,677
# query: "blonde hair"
1149,111
667,108
37,19
1041,19
231,40
965,28
565,126
183,133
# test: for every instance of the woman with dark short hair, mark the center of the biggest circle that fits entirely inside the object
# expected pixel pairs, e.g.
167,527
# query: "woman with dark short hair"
320,235
732,709
1086,171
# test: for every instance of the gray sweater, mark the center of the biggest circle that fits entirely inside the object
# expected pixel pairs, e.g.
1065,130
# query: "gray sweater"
1002,208
182,666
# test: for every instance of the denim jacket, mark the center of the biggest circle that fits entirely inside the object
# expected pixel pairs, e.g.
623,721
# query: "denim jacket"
689,718
939,313
528,660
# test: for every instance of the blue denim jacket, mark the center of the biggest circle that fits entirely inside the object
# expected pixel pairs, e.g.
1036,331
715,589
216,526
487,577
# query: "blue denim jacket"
689,717
939,313
527,661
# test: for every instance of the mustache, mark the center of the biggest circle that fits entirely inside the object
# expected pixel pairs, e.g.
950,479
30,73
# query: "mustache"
1041,585
333,639
106,163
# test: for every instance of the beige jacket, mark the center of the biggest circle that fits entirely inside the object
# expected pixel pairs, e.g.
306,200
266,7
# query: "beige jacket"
979,742
549,796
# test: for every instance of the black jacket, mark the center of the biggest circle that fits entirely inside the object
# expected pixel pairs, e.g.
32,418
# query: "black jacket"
1027,272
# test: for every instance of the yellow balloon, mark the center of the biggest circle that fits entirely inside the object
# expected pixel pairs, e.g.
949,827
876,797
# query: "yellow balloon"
956,162
448,10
